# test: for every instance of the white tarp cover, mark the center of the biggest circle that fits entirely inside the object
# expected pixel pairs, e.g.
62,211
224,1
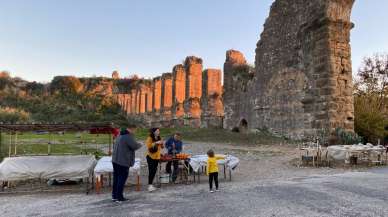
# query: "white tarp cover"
342,152
197,161
46,167
104,165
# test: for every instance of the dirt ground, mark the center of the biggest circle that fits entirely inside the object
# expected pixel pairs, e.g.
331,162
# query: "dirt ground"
266,183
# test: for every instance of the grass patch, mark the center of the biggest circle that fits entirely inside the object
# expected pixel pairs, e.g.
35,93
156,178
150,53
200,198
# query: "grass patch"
70,143
216,136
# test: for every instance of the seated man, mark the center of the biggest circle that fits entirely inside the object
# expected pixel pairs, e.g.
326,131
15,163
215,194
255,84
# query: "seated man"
174,146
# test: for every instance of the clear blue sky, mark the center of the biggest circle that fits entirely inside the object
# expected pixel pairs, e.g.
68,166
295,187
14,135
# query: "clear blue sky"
43,38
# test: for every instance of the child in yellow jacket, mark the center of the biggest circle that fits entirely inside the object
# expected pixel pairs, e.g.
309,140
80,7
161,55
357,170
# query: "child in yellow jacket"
212,169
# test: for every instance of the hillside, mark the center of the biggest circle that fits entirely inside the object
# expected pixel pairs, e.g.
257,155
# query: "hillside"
64,99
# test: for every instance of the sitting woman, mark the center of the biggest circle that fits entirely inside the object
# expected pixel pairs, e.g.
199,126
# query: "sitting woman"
154,146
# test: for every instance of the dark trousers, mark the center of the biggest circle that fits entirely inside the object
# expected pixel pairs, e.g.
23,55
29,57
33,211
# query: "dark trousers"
175,164
120,175
213,176
152,168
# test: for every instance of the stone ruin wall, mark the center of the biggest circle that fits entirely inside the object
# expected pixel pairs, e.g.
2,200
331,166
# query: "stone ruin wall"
212,109
301,86
178,93
188,96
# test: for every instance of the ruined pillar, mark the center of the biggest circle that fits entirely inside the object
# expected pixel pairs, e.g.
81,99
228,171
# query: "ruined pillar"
178,94
133,101
236,101
157,93
340,103
128,104
166,100
138,102
211,101
150,98
157,97
143,96
193,70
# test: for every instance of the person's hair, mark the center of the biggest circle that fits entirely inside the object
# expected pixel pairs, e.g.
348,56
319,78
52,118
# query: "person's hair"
210,153
177,134
153,136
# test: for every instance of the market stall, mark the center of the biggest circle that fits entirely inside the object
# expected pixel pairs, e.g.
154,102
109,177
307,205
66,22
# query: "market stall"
104,167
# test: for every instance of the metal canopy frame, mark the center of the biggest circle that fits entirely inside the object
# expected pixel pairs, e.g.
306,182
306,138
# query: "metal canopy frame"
14,129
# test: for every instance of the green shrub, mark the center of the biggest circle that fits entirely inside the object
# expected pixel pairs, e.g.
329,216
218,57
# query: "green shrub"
12,115
346,137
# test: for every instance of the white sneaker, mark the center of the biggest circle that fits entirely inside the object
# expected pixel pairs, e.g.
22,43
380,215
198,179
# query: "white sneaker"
151,188
211,191
217,190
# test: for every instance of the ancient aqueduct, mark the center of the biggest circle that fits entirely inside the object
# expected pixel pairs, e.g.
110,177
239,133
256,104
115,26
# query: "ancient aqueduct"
301,84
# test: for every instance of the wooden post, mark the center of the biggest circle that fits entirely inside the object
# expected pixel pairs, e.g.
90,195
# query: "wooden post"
98,135
110,144
10,144
16,143
49,145
82,143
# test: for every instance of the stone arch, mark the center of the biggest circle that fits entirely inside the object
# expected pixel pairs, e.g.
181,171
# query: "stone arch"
243,125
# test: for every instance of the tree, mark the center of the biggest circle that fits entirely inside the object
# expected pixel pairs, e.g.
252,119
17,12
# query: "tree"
371,98
66,85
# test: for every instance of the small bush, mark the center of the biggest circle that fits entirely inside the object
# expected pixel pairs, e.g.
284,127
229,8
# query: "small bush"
12,115
344,137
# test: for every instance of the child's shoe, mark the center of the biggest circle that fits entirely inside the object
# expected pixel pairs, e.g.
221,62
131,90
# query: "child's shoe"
211,191
151,188
217,190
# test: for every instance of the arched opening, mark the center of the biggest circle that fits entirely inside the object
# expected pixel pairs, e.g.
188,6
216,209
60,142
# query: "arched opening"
243,126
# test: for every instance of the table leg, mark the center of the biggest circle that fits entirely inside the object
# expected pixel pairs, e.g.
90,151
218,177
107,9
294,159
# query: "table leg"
386,158
224,171
194,176
138,183
313,159
98,184
102,181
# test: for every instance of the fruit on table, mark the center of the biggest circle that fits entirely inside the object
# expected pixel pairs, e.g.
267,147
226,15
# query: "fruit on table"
182,156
